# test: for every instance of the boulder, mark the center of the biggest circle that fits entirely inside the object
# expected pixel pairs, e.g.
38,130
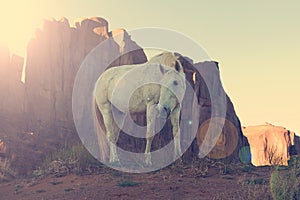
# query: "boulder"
269,144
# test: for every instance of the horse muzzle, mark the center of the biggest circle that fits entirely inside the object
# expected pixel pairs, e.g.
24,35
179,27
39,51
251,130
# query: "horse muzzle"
163,111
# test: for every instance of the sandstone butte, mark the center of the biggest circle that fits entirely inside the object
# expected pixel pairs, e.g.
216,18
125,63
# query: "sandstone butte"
270,144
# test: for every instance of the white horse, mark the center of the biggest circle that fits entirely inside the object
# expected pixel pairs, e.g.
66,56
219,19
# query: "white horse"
160,99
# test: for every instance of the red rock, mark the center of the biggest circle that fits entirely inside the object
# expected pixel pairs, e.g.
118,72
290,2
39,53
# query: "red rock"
269,144
44,102
53,59
231,139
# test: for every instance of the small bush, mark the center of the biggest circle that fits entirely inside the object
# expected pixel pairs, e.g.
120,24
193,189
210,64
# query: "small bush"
253,188
128,183
17,188
200,167
248,168
6,172
285,184
226,170
254,181
40,191
55,182
75,159
68,189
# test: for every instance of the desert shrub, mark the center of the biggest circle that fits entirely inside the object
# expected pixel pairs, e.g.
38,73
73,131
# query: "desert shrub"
6,172
248,168
254,181
285,184
128,183
73,159
253,188
226,169
40,191
200,167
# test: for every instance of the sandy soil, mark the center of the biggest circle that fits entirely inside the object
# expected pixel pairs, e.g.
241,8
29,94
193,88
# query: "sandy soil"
174,182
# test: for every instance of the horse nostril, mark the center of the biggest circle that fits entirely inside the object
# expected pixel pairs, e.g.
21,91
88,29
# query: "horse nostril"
175,82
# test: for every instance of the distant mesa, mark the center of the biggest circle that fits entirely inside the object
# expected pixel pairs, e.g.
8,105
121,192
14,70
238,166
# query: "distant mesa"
270,144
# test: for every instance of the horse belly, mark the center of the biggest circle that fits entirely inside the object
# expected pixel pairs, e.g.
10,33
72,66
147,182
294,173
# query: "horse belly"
126,102
137,107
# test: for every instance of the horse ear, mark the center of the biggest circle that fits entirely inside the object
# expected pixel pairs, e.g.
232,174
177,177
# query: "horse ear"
162,69
177,66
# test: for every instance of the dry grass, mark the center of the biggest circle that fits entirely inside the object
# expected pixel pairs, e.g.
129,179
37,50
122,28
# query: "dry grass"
254,189
6,172
74,159
285,182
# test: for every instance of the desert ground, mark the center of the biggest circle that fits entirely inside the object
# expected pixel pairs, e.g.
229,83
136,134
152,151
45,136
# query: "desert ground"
203,179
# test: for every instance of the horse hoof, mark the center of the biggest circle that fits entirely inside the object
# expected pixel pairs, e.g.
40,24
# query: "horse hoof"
177,157
148,161
115,163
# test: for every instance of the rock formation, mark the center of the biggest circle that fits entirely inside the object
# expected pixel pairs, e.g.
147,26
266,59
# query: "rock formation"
269,144
45,100
4,66
296,149
216,112
53,60
11,87
36,117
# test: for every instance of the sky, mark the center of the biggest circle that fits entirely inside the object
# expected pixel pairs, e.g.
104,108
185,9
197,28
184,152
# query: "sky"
256,43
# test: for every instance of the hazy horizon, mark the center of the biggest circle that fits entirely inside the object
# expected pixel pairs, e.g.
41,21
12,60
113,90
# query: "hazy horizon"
256,43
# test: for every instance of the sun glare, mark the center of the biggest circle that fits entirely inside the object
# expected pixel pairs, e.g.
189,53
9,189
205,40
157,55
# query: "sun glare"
18,21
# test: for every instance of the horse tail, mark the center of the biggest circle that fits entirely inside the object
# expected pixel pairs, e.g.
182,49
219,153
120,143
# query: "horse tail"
100,131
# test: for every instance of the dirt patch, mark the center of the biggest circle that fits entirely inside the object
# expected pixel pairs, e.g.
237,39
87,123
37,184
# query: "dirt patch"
175,182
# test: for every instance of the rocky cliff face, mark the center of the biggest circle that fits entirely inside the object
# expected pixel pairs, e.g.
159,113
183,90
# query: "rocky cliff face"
11,87
44,101
53,60
296,149
216,112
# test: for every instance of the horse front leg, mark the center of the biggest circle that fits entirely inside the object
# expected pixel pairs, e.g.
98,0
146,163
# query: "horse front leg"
174,115
112,132
151,114
147,151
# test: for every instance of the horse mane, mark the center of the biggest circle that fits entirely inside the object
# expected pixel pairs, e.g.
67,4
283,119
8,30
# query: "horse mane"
162,58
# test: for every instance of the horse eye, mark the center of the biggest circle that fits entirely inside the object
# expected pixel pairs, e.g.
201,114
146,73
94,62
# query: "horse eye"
175,82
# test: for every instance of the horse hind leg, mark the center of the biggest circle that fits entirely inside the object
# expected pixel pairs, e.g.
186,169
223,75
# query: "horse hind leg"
113,138
112,133
151,116
176,132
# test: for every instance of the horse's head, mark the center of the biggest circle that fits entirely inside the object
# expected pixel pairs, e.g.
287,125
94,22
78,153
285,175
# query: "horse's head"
169,59
172,89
